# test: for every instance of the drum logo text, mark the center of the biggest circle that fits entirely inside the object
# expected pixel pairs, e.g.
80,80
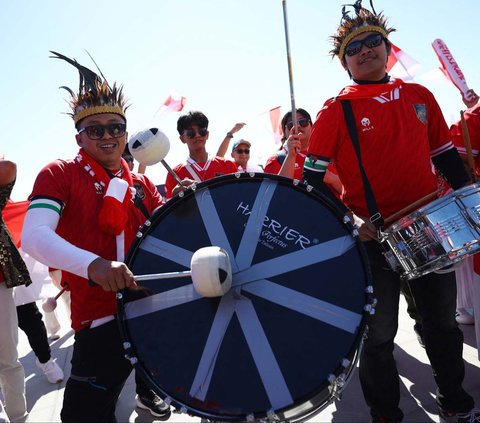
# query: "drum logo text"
275,232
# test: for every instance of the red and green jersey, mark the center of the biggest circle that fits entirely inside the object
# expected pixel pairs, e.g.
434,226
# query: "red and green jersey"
80,199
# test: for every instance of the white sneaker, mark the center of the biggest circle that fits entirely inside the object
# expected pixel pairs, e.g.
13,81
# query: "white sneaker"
463,317
51,370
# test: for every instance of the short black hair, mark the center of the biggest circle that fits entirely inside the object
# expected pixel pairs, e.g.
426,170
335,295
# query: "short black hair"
288,116
191,118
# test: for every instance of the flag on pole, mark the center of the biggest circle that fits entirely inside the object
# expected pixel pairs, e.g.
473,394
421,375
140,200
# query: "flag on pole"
174,103
274,115
450,67
401,65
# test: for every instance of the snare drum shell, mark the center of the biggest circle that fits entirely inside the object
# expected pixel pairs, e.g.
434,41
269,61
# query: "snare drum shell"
294,312
439,234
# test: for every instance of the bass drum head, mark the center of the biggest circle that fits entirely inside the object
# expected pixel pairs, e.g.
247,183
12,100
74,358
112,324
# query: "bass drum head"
294,316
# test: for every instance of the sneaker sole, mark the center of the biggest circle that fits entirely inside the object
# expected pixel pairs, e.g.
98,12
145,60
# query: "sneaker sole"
164,416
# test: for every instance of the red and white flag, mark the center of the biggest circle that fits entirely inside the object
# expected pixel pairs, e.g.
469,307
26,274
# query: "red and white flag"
275,120
401,65
174,103
450,67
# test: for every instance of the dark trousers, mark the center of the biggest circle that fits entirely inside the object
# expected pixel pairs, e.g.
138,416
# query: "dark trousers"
99,372
31,322
435,299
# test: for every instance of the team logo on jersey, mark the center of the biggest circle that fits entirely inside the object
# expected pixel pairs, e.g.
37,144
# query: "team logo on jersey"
421,111
366,124
139,192
388,96
98,188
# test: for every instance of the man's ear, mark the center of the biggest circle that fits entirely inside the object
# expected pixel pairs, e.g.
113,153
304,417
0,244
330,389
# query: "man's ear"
388,45
181,139
78,138
343,62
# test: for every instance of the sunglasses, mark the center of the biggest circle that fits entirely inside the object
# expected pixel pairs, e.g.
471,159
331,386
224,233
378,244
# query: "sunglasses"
96,132
190,133
302,122
242,151
371,41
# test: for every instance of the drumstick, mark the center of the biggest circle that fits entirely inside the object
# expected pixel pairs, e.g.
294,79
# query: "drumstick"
168,275
410,207
468,146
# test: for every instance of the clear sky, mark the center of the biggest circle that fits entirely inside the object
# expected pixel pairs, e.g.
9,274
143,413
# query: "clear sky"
227,57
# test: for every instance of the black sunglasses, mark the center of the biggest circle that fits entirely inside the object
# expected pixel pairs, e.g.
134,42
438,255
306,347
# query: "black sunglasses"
302,122
190,133
371,41
243,150
96,132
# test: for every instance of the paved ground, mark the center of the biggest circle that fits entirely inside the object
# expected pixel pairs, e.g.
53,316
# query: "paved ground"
45,400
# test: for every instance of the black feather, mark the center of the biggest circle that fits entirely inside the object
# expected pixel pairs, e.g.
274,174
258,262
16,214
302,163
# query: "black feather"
88,78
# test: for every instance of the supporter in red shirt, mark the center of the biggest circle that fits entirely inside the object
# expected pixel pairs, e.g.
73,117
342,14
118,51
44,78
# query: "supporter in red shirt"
401,132
82,218
199,166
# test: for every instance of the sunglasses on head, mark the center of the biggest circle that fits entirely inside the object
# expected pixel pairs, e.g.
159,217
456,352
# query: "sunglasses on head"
96,132
243,150
190,133
302,122
373,40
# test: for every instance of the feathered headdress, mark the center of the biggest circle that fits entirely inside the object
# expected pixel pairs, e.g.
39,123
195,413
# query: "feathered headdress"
94,95
364,21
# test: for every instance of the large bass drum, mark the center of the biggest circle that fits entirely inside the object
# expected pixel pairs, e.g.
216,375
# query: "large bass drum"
282,342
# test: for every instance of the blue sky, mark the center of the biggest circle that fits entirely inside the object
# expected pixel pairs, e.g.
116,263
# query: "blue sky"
227,57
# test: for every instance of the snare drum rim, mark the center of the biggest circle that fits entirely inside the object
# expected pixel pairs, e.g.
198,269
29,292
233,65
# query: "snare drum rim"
353,354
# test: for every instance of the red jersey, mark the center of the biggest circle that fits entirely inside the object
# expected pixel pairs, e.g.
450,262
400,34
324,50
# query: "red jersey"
273,165
472,119
215,166
400,127
81,197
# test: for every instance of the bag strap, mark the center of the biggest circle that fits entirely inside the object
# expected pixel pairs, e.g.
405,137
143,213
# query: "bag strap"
375,216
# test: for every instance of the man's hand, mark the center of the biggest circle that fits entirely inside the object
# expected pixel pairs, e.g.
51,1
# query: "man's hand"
110,275
366,229
181,187
237,127
470,98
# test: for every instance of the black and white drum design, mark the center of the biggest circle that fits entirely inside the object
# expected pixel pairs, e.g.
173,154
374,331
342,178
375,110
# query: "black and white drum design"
439,234
282,342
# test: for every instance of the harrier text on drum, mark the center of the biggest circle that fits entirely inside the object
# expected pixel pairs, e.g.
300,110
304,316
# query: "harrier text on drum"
275,232
284,339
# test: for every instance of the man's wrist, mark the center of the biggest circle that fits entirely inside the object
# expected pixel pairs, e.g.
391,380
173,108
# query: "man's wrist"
229,135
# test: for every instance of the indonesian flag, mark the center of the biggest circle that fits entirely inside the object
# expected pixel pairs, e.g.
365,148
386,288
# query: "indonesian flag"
450,67
401,65
275,120
14,214
174,103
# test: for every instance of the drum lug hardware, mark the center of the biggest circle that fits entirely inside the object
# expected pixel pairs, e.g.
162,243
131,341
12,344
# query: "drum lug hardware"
183,410
181,194
309,188
119,295
147,222
139,234
133,360
250,418
296,182
337,383
272,417
126,345
346,363
237,175
168,400
369,289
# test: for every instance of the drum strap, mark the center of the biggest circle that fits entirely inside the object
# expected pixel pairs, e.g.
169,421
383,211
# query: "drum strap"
375,216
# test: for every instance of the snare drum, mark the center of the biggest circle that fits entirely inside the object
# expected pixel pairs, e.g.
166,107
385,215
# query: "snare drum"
439,234
282,342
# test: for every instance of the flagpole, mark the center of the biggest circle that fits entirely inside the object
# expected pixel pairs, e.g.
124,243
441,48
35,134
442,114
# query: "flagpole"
289,62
